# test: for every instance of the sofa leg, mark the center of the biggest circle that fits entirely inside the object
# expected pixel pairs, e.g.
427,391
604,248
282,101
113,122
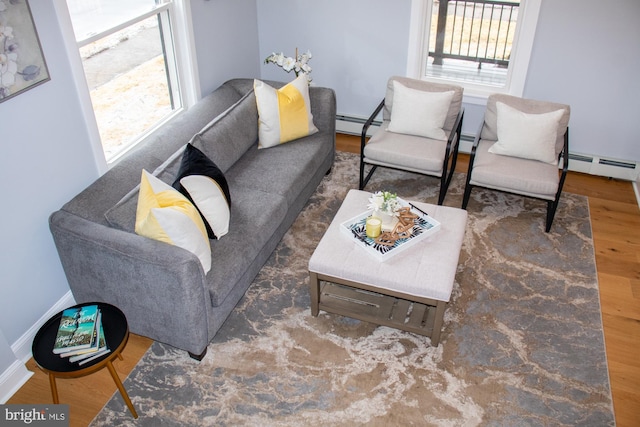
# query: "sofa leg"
328,172
198,357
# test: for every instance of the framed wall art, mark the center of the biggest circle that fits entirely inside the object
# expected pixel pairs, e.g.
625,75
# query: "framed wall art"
22,64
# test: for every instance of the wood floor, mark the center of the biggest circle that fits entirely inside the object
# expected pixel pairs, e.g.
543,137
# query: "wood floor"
615,219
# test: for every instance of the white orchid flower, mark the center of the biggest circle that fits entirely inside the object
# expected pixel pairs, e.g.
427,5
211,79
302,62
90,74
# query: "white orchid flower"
298,65
305,68
288,64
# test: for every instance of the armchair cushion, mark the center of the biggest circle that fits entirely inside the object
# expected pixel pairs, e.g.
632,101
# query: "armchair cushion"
419,112
408,152
529,136
529,106
513,174
454,107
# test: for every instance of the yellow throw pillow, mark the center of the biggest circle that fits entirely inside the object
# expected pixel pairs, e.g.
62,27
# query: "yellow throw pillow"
283,114
166,215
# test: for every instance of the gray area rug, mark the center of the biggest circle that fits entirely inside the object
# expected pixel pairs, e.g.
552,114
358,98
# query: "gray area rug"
522,343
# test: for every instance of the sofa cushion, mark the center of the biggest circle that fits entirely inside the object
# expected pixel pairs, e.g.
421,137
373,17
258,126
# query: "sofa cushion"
285,113
204,184
255,217
225,139
419,112
122,215
282,170
166,215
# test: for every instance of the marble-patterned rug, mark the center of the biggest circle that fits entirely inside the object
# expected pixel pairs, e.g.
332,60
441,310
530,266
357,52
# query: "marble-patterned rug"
522,343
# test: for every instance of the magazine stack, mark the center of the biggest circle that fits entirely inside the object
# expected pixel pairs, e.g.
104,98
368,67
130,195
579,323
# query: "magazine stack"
80,335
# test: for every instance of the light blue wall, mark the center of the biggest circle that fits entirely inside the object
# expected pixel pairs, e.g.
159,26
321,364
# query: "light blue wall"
6,355
226,38
356,44
587,54
45,161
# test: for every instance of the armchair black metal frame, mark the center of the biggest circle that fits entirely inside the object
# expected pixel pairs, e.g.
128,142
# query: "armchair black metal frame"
552,205
449,161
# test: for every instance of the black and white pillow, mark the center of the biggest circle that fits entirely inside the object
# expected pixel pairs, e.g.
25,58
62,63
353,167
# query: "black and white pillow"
202,182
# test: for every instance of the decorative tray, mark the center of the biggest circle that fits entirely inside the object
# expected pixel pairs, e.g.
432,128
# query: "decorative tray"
424,225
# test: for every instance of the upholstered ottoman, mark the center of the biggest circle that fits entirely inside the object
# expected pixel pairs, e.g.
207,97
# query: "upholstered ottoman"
409,291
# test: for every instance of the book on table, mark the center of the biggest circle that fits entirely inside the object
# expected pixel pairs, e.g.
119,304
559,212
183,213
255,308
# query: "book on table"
80,335
77,329
98,350
94,342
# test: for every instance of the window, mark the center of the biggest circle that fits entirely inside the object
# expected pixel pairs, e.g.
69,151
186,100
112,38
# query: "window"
128,52
483,45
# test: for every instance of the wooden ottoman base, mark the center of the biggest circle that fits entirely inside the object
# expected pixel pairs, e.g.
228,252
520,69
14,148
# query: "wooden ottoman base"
422,316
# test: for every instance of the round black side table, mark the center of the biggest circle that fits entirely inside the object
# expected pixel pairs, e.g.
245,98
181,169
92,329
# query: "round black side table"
116,331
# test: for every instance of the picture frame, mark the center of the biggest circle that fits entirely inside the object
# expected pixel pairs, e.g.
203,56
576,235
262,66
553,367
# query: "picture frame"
22,63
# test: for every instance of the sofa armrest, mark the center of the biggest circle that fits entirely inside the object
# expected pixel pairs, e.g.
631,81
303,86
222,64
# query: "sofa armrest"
323,108
159,287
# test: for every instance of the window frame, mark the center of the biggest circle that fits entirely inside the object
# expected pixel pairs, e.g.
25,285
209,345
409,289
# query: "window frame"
475,93
185,71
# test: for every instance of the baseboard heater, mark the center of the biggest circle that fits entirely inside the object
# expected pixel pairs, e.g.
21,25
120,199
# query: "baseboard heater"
611,168
584,163
352,125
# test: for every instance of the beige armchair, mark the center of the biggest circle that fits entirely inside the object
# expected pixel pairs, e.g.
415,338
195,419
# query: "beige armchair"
420,131
518,149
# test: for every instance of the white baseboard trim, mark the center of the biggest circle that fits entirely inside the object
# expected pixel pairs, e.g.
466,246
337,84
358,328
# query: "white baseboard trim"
17,374
12,379
636,189
352,125
22,347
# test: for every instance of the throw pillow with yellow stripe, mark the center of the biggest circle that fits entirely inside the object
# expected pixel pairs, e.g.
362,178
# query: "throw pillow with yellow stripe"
166,215
285,113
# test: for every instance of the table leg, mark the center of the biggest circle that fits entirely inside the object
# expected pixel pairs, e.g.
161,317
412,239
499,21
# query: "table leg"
437,323
54,388
123,392
314,289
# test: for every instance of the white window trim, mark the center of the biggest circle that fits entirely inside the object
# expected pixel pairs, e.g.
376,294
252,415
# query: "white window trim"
188,77
82,88
186,53
476,94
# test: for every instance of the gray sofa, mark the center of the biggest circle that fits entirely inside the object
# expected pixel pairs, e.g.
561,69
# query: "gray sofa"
162,288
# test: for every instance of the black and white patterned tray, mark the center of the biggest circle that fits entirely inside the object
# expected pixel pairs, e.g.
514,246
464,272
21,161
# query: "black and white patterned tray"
424,226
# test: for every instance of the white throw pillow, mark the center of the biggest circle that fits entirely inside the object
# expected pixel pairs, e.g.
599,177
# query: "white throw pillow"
204,184
166,215
528,136
210,200
285,113
418,112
